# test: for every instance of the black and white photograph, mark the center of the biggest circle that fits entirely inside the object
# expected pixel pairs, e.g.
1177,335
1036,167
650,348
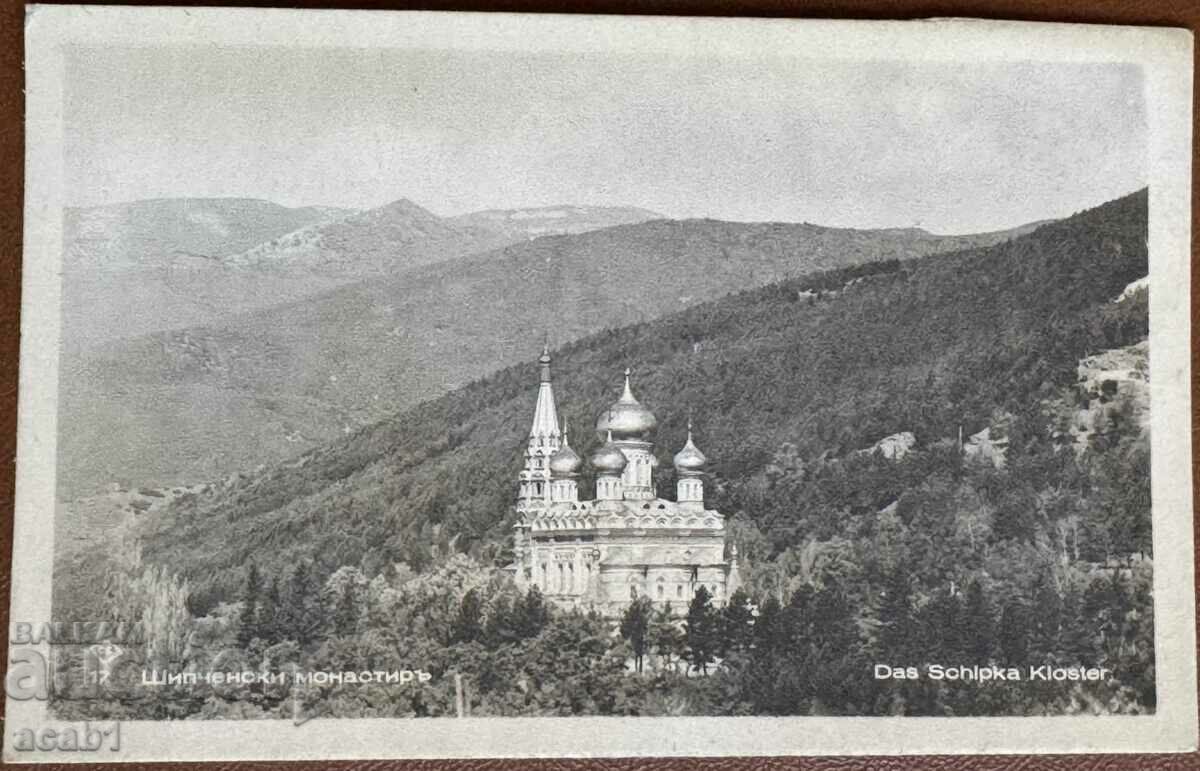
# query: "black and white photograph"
709,374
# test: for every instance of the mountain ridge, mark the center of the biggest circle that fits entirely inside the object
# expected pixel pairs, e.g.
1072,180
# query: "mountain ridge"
564,219
144,232
925,345
272,382
385,239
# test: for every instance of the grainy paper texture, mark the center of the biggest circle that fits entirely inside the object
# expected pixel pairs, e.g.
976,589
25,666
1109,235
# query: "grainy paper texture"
859,424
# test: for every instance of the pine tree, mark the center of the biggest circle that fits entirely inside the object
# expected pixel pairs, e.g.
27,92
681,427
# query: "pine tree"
468,624
943,633
835,673
978,626
737,621
896,627
300,610
635,626
764,625
665,635
500,628
1047,619
268,615
532,613
1080,632
1014,642
248,618
778,679
346,612
701,632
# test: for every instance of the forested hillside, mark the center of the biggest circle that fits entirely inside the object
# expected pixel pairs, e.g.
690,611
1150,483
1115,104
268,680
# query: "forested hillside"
926,346
196,403
1024,543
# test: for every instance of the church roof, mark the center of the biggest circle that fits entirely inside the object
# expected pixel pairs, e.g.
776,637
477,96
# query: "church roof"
609,459
545,416
690,460
626,418
624,514
565,463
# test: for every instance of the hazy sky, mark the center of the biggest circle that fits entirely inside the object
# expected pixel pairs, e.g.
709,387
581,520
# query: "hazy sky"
949,148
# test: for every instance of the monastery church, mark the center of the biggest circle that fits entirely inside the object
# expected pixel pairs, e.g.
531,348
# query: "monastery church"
626,543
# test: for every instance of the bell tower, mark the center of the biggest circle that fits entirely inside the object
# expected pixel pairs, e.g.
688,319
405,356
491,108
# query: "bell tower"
544,440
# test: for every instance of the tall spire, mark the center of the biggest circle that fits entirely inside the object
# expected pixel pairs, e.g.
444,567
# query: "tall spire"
544,441
545,415
627,396
544,360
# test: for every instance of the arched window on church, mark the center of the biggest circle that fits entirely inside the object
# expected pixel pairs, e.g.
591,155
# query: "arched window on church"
562,579
679,590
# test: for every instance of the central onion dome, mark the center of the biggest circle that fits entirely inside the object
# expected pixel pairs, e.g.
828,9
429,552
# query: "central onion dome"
609,460
626,418
565,462
690,460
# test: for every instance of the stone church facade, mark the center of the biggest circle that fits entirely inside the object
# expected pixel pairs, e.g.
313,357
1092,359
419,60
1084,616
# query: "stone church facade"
624,543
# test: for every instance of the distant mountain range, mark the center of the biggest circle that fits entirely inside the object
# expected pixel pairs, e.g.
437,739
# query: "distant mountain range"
927,346
248,232
388,239
235,390
403,235
156,232
554,220
136,268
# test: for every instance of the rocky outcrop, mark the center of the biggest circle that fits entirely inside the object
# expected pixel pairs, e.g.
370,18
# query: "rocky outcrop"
1112,385
989,445
893,446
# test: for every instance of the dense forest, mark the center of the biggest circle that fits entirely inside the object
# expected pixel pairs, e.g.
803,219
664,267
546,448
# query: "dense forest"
1012,527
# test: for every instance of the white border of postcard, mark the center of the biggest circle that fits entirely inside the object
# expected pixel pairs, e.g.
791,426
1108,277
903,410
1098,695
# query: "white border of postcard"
1166,58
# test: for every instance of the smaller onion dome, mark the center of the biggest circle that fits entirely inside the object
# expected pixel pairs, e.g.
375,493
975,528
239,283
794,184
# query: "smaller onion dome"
690,460
609,460
565,462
